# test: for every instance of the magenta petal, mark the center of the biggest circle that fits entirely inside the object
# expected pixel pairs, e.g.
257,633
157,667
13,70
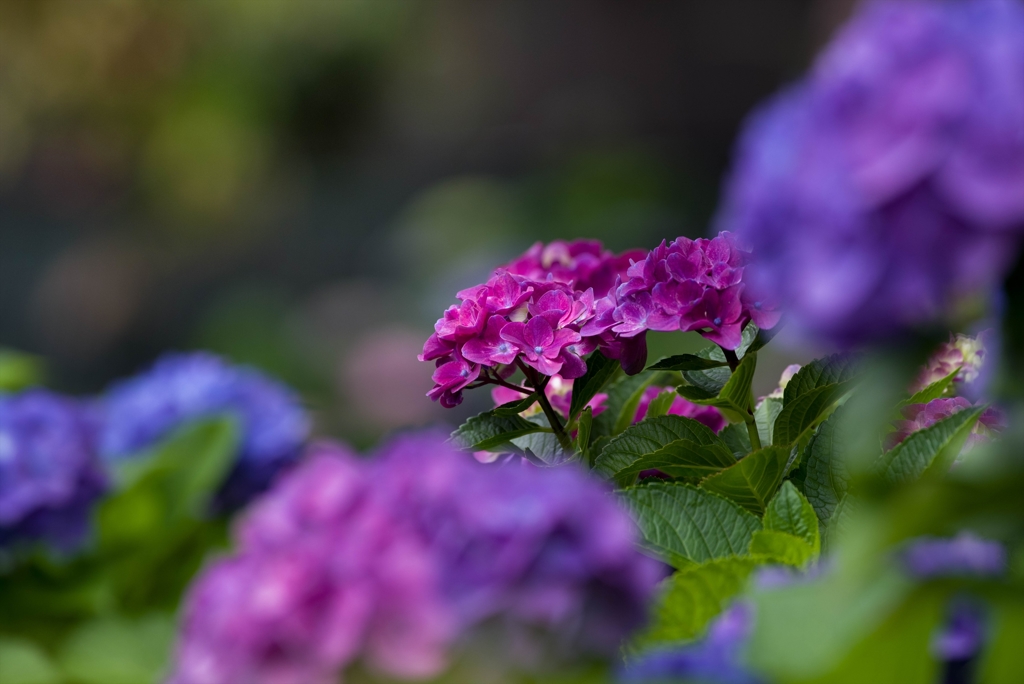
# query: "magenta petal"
545,365
572,366
516,334
729,336
538,333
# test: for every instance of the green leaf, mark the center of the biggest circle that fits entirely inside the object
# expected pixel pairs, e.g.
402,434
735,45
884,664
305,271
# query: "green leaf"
687,362
826,479
1003,660
177,481
734,398
765,415
781,547
687,525
831,370
119,651
22,662
648,437
933,391
737,439
682,458
660,405
933,448
791,513
600,370
752,481
803,630
628,410
803,412
713,379
514,408
692,597
583,430
542,448
488,432
19,370
761,338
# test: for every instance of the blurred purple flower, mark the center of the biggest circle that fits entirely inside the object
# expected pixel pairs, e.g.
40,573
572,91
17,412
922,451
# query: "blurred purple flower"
708,415
716,659
392,562
921,416
963,555
50,476
963,634
179,388
887,184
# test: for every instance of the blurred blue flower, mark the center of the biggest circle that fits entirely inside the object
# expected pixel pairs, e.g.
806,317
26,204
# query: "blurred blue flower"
716,659
180,388
887,184
49,474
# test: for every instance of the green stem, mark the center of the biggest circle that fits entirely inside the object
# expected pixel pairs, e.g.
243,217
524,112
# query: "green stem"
549,411
755,438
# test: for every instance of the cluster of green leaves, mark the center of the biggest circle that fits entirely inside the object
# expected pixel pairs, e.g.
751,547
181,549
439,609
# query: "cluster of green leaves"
774,487
107,615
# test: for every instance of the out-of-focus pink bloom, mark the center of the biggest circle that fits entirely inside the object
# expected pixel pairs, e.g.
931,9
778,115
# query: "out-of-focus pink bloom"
921,416
963,352
708,415
391,562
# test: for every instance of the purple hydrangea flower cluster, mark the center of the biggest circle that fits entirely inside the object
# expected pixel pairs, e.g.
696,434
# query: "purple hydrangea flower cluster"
139,412
395,561
716,659
963,555
920,416
888,183
963,634
686,285
50,476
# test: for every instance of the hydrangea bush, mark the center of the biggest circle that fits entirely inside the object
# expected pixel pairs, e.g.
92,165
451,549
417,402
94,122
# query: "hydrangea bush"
613,518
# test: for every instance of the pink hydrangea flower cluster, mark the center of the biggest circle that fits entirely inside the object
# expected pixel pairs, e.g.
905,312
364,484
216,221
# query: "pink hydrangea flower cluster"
584,264
530,314
393,562
963,352
921,416
708,415
686,285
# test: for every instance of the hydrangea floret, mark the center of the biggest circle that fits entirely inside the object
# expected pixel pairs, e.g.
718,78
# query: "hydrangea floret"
395,563
50,476
687,285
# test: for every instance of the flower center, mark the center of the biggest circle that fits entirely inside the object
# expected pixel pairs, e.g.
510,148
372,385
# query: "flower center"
538,350
464,372
503,347
717,321
757,305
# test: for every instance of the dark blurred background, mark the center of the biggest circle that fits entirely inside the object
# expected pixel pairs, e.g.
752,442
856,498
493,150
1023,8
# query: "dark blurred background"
303,186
